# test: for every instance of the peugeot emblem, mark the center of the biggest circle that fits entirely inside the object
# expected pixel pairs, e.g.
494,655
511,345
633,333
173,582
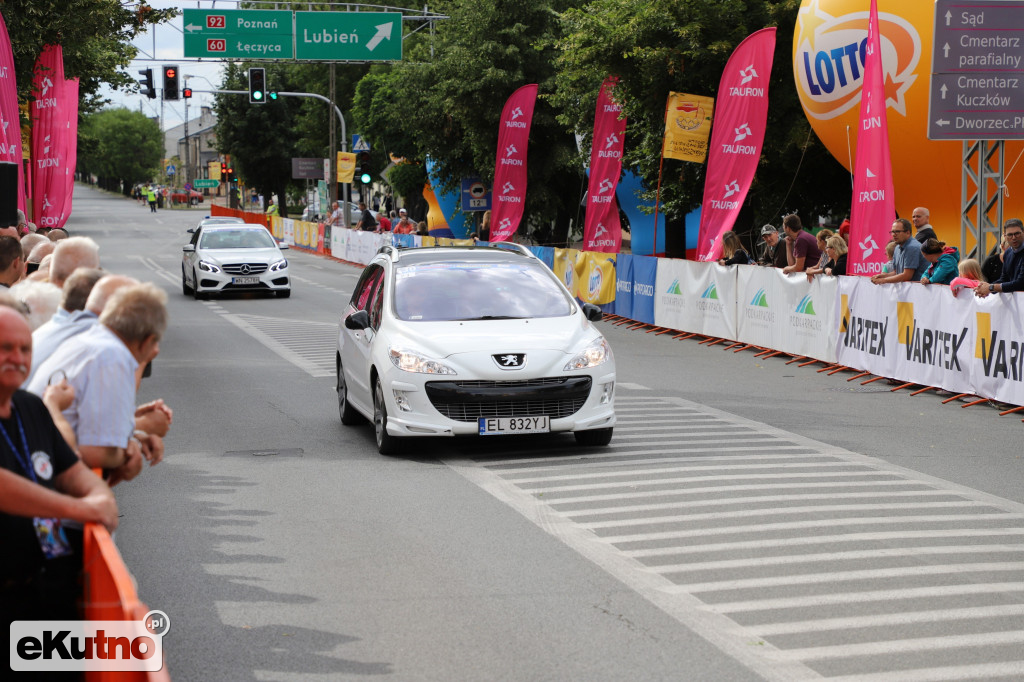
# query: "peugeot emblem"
510,360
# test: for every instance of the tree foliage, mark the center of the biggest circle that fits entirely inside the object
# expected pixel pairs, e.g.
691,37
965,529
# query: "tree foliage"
95,35
658,46
120,147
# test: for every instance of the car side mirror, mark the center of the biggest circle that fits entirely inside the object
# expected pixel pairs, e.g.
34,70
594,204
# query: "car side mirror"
593,313
189,248
191,230
358,320
282,245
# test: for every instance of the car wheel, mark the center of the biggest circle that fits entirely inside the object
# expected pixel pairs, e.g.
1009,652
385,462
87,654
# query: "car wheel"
185,288
593,437
284,293
196,294
349,415
386,443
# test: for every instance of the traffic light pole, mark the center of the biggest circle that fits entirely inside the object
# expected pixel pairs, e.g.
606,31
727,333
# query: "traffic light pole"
344,135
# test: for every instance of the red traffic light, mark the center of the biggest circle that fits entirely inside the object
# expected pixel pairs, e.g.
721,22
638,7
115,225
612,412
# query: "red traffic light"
186,93
170,72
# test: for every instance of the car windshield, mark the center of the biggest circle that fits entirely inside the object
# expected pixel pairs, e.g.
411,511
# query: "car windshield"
236,239
477,291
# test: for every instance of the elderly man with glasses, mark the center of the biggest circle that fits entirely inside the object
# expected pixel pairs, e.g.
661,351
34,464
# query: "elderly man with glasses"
1012,278
908,263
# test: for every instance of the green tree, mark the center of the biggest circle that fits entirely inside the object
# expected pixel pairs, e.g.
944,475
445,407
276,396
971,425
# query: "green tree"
445,99
95,35
657,46
259,137
120,147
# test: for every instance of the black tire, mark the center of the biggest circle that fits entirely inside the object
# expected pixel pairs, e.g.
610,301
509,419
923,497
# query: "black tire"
196,294
593,437
285,293
185,288
349,415
386,443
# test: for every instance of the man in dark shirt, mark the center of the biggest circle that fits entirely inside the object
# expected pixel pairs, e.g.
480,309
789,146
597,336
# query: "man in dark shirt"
42,482
774,250
924,229
366,222
802,250
1012,278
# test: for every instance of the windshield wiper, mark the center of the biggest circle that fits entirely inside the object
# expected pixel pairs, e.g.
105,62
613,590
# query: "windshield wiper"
494,317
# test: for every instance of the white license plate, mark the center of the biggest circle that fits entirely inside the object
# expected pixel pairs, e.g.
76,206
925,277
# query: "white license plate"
245,280
510,426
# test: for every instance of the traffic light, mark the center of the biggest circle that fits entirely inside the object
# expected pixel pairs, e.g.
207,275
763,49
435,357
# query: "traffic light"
147,83
257,86
223,170
272,96
170,83
186,93
365,168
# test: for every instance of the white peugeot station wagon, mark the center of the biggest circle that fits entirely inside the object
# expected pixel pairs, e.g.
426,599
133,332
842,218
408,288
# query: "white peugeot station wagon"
482,341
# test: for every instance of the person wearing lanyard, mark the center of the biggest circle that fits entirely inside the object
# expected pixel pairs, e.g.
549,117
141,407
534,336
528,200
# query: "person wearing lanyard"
42,482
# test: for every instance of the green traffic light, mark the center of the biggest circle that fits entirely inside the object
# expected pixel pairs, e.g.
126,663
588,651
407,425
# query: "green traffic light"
257,94
365,178
273,95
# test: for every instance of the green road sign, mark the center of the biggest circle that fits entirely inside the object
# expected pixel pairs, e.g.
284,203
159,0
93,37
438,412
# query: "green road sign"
238,33
348,36
203,182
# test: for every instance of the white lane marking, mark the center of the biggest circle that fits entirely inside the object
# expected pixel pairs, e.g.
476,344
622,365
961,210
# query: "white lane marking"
700,479
632,387
888,619
906,645
675,469
980,671
718,489
310,366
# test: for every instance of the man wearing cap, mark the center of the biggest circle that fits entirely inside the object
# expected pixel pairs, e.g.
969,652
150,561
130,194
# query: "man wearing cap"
404,225
774,254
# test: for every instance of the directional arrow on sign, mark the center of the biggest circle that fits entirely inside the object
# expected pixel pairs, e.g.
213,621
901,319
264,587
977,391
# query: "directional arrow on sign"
383,32
943,90
942,122
193,27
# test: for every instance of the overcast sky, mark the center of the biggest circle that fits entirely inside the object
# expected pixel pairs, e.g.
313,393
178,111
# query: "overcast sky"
164,44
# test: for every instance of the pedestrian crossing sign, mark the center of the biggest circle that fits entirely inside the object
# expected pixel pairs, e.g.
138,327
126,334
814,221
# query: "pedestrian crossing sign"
359,144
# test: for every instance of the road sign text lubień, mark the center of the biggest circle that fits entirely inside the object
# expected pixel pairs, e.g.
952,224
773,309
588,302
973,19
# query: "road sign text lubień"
977,81
348,36
233,33
203,182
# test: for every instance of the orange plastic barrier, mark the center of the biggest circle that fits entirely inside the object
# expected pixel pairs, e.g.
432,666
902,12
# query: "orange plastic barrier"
109,594
247,216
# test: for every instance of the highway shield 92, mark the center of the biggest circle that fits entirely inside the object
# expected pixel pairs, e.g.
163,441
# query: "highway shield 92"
238,34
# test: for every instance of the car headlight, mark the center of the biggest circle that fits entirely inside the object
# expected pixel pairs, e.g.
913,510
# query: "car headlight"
411,361
597,353
208,266
278,265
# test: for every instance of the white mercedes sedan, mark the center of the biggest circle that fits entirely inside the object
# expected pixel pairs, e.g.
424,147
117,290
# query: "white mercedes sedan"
221,258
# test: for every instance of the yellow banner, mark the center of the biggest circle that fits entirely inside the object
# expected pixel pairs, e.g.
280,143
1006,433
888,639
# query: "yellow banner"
687,126
565,268
346,166
595,277
213,170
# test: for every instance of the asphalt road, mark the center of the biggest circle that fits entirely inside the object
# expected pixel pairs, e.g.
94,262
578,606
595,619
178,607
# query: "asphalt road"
752,519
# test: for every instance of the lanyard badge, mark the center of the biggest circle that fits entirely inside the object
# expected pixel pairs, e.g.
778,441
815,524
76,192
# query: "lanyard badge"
49,532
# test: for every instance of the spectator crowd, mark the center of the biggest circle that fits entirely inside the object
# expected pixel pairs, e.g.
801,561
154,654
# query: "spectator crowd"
75,341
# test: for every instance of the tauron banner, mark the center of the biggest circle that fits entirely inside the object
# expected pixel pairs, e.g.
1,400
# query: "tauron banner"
687,126
602,230
740,120
509,195
54,139
10,120
873,207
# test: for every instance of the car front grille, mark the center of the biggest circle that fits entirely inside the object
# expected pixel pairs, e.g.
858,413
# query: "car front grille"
236,269
467,401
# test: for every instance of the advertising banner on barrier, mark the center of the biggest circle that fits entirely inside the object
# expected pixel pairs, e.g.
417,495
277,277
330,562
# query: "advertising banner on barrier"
645,276
758,306
866,326
565,268
807,323
932,336
288,230
697,297
623,303
997,352
595,276
339,239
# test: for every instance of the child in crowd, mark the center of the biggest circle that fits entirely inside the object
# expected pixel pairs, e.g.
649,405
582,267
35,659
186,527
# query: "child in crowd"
970,276
890,249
